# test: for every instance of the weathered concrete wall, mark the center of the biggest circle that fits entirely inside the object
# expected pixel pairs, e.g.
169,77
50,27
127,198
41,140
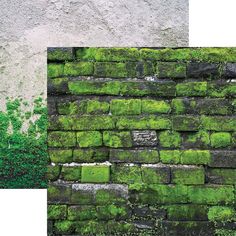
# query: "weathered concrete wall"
28,27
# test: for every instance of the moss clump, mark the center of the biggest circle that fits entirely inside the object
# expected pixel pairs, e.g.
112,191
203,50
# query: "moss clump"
94,87
23,153
170,139
64,226
178,106
221,214
144,122
55,70
211,195
89,139
53,172
117,139
191,89
196,157
70,108
153,106
225,232
71,173
57,212
90,155
171,69
223,176
201,137
104,197
186,123
61,139
112,211
126,106
59,54
60,156
78,68
96,107
153,175
82,213
170,156
220,139
95,174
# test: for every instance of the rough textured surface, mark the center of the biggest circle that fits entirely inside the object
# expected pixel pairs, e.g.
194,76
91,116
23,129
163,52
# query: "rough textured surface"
139,146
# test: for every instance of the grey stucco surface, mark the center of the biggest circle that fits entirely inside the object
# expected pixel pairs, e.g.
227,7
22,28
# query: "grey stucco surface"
28,27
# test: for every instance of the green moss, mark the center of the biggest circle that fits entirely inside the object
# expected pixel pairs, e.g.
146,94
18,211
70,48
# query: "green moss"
53,172
59,54
86,53
152,175
225,176
64,227
150,54
196,157
153,106
191,89
90,155
55,70
96,107
126,106
126,174
178,106
225,232
61,139
220,139
95,174
211,194
171,69
70,108
89,139
60,156
202,137
170,139
71,173
59,84
57,212
112,211
94,87
82,212
170,156
221,214
218,123
169,54
117,139
78,68
187,175
23,153
105,196
185,123
144,122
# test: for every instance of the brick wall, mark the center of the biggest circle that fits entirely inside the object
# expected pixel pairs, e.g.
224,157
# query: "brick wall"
141,141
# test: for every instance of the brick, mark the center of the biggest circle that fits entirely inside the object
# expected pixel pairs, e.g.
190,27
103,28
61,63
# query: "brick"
221,89
89,139
60,54
57,212
53,172
155,174
97,107
218,123
84,212
211,194
55,70
223,159
117,139
171,70
195,157
115,69
134,156
203,70
230,70
145,68
170,139
125,106
170,156
95,174
59,193
61,139
58,86
154,106
144,138
220,139
187,175
90,155
191,89
143,122
221,176
126,174
82,195
71,173
78,68
200,139
186,123
187,212
60,156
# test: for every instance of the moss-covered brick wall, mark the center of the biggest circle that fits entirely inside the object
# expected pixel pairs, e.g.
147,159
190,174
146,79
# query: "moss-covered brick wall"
142,141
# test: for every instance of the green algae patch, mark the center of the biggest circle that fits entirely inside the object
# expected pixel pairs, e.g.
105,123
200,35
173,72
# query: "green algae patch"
61,139
171,70
195,157
153,106
95,174
57,212
23,152
170,156
221,214
178,106
55,70
78,68
71,173
170,139
126,106
60,156
117,139
191,89
220,139
89,139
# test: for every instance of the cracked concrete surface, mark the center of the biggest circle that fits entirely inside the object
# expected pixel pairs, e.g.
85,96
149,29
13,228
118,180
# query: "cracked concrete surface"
27,28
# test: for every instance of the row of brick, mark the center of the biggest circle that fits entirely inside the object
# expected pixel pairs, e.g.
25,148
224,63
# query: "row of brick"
81,106
159,173
148,122
140,88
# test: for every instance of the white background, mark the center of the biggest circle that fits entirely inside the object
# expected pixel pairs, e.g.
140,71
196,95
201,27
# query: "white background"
211,23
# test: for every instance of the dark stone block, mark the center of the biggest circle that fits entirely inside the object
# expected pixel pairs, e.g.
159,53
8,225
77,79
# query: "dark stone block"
198,70
186,123
230,70
144,138
59,193
223,159
147,212
51,104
